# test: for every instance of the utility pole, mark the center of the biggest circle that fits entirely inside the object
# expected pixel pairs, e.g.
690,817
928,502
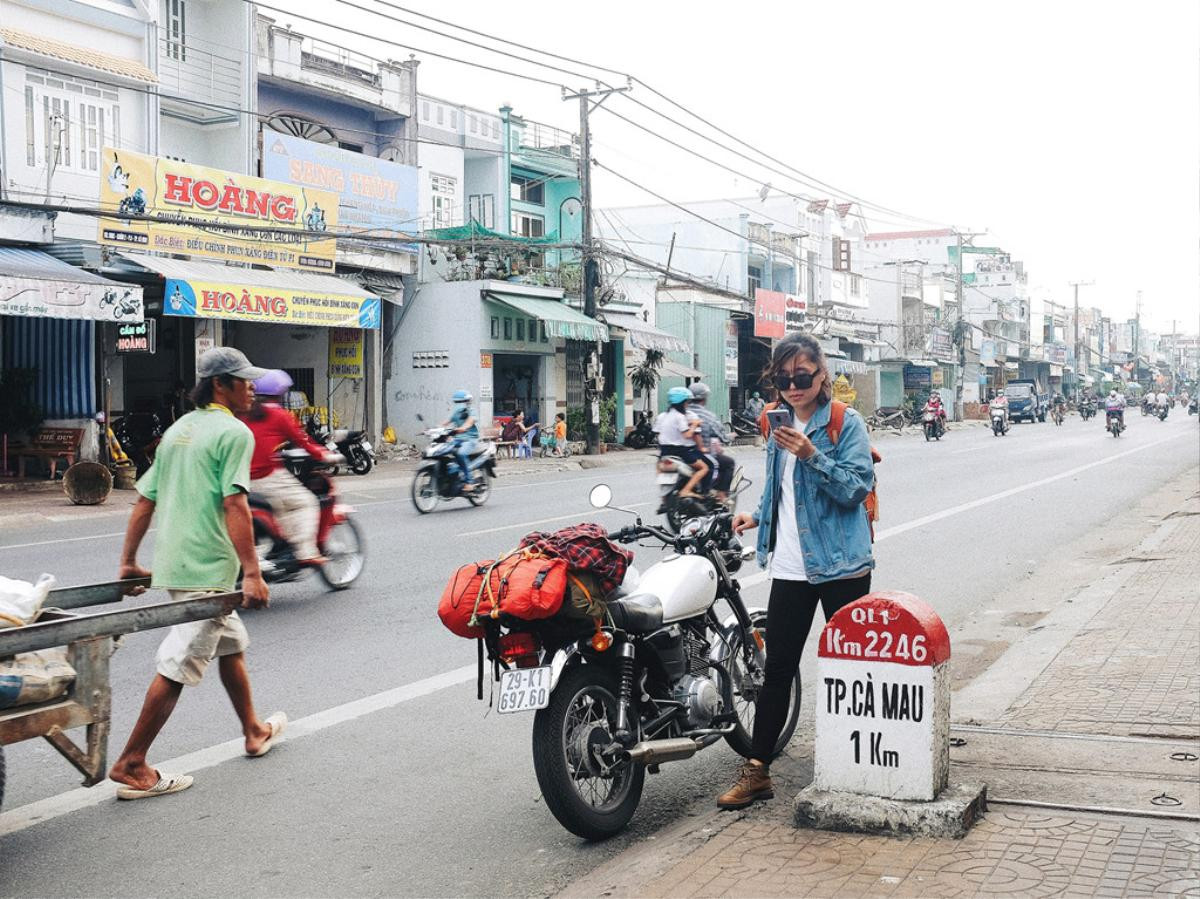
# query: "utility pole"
962,330
1077,285
1137,333
593,373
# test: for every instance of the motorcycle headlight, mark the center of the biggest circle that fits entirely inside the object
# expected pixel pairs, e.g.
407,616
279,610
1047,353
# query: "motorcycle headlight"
692,527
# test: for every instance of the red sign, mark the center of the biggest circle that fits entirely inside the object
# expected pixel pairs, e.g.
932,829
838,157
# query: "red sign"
770,310
888,626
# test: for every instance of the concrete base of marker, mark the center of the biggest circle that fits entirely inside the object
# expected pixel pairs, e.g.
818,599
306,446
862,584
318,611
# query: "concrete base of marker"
950,815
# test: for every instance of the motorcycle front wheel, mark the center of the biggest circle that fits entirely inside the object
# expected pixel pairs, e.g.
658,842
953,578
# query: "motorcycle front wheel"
589,797
745,693
346,554
425,491
928,433
360,461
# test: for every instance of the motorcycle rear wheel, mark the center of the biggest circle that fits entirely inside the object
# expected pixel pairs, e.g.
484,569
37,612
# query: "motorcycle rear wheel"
361,462
745,695
346,553
425,491
483,489
580,718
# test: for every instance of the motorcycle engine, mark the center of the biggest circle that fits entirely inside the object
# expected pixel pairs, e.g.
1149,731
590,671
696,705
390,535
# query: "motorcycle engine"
699,696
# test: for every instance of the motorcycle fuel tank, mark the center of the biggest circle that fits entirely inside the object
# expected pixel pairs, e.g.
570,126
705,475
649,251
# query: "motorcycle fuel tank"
686,586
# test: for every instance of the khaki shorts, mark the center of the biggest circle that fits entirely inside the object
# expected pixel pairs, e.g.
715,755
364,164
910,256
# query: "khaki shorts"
185,652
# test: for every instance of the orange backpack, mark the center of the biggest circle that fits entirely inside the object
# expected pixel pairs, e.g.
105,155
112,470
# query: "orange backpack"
837,417
524,584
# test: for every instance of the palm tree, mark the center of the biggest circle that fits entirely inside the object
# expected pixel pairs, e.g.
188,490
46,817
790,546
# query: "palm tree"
645,375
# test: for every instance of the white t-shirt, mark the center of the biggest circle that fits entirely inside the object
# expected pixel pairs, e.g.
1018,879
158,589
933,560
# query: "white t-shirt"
671,426
1162,399
787,561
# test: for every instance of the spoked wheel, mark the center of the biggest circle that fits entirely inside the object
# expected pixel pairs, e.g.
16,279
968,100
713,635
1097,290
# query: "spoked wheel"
425,491
590,794
483,489
361,462
346,553
746,687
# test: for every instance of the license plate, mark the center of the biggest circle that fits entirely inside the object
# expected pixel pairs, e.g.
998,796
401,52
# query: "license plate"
524,690
667,477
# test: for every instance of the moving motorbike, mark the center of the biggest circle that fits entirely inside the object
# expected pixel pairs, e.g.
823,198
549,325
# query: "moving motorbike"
338,537
933,424
439,479
1057,413
1113,423
1194,406
998,412
1087,409
666,677
673,475
1161,411
1148,406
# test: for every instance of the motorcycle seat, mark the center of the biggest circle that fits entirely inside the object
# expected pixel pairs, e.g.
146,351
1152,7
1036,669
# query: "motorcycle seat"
641,613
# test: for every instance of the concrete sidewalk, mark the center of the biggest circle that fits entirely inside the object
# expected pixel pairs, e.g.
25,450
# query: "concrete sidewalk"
1088,744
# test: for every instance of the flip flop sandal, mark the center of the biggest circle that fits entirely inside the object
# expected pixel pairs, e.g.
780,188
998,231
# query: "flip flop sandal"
167,783
277,722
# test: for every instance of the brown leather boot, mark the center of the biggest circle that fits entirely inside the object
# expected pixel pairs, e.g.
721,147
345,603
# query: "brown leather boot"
753,783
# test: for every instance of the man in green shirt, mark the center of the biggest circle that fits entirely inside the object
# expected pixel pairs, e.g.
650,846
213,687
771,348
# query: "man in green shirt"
198,486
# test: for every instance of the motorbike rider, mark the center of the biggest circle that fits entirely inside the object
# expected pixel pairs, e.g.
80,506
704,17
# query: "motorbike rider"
935,405
296,508
466,431
813,530
1160,399
1114,404
1059,402
714,436
679,436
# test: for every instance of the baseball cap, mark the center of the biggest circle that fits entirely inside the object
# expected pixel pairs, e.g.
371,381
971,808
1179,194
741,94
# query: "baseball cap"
225,360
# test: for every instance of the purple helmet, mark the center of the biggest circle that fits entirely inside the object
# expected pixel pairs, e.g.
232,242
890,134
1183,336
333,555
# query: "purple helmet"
275,382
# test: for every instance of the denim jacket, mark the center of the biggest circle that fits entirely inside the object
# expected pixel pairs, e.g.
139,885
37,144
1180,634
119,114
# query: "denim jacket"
830,487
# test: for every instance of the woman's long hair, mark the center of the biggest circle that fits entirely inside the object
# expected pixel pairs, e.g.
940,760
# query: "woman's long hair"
805,346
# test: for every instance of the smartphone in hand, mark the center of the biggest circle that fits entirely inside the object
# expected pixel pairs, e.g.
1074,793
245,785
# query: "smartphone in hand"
779,418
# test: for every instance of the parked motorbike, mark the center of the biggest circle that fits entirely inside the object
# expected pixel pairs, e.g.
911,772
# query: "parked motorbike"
439,479
999,416
666,677
338,537
933,424
139,434
642,434
744,425
673,475
1113,424
352,445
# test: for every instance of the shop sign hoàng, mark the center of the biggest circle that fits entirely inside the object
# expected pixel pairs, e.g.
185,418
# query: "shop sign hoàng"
276,305
346,353
137,337
198,211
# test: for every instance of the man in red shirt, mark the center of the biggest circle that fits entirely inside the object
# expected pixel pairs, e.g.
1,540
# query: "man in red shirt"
296,508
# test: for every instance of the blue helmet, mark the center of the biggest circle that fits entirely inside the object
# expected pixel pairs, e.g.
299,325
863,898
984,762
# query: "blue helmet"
461,396
677,395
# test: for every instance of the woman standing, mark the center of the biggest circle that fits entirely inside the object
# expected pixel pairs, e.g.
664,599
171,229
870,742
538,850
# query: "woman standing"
813,534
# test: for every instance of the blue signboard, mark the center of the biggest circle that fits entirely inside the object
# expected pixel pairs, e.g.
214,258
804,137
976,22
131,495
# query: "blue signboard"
918,376
373,194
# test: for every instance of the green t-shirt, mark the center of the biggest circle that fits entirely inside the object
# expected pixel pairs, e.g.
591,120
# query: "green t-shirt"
203,458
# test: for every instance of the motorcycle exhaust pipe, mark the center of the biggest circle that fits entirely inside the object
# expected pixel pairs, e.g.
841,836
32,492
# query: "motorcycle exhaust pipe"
655,752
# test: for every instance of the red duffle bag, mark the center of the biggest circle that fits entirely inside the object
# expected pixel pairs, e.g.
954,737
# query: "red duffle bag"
524,585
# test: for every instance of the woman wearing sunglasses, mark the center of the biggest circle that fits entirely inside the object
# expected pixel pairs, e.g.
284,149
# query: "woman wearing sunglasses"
813,534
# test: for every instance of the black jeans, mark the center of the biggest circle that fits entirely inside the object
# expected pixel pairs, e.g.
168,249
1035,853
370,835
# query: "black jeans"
724,475
789,619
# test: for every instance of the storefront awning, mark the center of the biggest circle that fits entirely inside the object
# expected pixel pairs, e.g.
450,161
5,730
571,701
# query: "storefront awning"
848,367
679,370
559,318
34,284
923,363
644,336
272,296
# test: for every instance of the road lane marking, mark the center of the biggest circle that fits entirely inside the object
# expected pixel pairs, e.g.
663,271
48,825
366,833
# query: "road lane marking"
526,524
62,540
74,800
84,797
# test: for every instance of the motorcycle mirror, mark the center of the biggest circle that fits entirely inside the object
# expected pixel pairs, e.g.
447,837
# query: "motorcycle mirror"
600,497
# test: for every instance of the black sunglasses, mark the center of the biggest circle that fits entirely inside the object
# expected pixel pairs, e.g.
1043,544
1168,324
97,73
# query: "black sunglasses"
802,380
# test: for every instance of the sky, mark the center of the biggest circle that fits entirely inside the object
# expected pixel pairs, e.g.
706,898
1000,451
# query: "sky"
1069,131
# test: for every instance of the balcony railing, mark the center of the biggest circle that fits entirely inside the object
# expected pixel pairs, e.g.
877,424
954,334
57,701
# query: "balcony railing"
331,59
192,73
547,139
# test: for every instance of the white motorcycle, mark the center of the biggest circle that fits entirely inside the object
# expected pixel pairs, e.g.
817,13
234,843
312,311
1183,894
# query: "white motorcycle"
999,416
663,678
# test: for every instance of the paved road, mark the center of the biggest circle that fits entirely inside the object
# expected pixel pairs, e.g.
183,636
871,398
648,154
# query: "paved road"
396,781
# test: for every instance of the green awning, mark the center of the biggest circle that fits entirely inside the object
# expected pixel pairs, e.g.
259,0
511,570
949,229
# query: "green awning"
560,319
475,231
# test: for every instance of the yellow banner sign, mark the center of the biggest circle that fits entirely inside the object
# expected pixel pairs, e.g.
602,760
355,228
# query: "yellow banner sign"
275,305
346,353
186,201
